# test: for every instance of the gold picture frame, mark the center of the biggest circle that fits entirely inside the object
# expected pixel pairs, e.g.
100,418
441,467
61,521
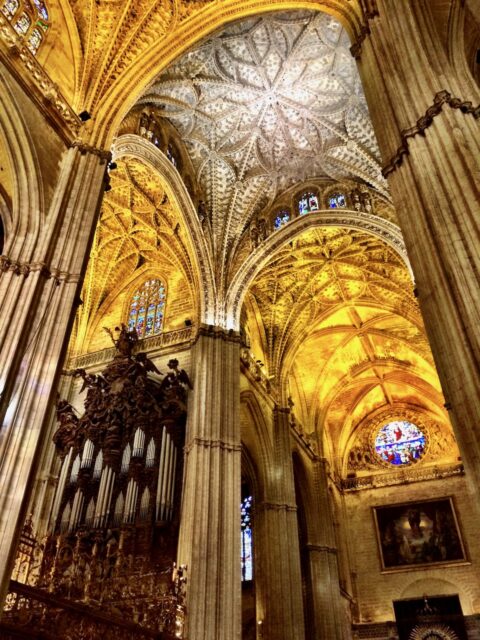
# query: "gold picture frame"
418,534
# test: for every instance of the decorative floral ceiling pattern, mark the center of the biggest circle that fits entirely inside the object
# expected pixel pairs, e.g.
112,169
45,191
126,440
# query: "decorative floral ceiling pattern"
264,104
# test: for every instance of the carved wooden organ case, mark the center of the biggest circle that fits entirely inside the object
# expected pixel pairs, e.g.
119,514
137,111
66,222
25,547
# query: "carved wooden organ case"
116,509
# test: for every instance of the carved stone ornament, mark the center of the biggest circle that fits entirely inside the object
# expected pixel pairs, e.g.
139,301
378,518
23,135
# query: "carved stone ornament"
440,99
440,442
265,102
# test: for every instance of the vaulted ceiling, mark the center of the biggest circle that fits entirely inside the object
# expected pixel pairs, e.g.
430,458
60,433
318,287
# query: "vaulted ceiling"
333,317
138,233
262,105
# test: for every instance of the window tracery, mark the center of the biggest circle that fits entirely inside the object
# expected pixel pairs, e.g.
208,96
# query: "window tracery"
307,203
147,309
400,442
172,155
29,21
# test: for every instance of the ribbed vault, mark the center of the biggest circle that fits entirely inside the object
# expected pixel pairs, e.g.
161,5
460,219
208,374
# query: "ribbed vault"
262,105
334,320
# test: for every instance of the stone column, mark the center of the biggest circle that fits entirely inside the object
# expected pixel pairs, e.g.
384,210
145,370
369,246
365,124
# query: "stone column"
277,554
429,136
37,304
209,542
328,608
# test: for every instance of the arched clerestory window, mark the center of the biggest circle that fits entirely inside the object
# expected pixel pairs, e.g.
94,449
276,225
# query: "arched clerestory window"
308,202
30,20
147,309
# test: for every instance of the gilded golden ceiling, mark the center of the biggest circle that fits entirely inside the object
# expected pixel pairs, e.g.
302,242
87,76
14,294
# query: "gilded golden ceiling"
139,234
334,320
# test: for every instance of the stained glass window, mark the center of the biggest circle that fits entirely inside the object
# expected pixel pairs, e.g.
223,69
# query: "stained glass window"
22,24
337,201
171,155
34,40
42,9
281,218
147,309
10,8
246,530
308,202
400,442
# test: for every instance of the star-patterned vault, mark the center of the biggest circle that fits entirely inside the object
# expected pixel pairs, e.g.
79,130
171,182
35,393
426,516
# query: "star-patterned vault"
262,105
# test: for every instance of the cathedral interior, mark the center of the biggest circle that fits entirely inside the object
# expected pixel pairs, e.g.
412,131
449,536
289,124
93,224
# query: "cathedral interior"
240,319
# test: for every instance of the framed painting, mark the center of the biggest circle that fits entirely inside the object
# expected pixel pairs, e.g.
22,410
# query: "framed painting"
418,534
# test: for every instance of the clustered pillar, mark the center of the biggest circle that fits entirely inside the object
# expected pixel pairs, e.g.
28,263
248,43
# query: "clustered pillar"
209,541
425,114
277,555
37,301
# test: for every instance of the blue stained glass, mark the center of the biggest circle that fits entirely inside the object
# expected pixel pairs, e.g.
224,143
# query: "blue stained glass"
42,9
34,41
400,442
22,25
308,202
282,218
303,206
147,307
337,200
246,538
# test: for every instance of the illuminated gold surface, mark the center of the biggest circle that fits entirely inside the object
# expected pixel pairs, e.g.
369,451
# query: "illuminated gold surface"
139,236
334,319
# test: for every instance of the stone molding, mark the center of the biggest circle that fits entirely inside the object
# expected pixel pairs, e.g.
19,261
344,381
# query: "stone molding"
211,443
18,55
375,481
103,154
321,548
356,48
387,231
162,340
441,98
218,333
278,506
25,269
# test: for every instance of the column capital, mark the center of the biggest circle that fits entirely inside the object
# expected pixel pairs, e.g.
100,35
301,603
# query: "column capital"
103,154
209,443
26,268
218,333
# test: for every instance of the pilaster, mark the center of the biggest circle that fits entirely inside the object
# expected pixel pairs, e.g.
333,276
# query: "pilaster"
209,541
427,123
37,304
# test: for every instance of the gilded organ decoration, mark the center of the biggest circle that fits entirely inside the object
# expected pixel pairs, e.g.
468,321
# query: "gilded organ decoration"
116,509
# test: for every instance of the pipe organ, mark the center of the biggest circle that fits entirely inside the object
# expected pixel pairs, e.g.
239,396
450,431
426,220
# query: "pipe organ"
115,515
